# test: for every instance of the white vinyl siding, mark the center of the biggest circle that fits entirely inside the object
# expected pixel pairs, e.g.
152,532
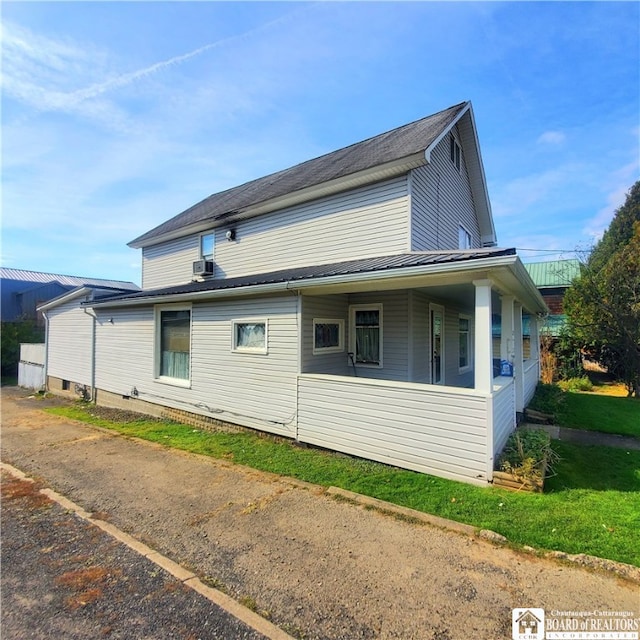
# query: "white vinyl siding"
504,414
361,223
395,306
419,334
335,306
441,201
440,431
70,338
252,390
453,375
170,263
531,370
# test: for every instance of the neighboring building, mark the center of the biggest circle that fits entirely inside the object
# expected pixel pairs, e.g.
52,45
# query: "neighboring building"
552,279
23,291
345,302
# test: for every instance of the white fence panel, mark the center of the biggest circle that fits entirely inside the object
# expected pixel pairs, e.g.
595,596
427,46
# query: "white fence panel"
32,353
31,366
441,431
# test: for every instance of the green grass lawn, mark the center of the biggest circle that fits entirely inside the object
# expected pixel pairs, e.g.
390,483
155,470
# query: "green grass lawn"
596,412
591,506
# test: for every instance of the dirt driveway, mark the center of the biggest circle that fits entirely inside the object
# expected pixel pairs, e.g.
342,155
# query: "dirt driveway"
320,568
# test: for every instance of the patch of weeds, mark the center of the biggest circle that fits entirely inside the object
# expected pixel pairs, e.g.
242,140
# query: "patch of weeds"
528,454
293,630
214,583
249,602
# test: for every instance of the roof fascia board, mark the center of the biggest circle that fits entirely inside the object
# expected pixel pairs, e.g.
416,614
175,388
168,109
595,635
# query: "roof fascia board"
429,150
314,192
65,297
482,264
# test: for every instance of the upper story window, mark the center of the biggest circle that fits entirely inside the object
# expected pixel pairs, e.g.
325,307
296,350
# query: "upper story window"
464,238
456,153
207,245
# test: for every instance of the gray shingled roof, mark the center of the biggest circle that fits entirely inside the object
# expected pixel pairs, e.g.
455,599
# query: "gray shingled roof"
386,147
365,265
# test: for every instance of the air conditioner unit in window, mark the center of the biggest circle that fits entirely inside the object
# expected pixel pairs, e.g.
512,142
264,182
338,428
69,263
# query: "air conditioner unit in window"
202,267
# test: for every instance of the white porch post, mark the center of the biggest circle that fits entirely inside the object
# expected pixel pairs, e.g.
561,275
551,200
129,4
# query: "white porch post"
507,330
483,351
518,357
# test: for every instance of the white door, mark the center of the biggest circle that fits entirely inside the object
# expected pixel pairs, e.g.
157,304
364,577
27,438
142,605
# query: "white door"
437,344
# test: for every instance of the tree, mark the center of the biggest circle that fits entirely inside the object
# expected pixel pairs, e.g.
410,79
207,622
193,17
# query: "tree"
12,334
603,304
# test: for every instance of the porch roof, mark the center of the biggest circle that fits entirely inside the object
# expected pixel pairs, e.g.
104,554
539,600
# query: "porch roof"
351,272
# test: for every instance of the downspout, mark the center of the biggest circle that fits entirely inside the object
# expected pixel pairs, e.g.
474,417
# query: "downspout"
93,353
46,350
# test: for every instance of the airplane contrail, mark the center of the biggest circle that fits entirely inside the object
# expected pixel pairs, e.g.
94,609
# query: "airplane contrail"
127,78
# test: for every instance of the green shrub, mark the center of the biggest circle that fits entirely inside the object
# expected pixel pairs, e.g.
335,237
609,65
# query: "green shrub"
576,384
548,398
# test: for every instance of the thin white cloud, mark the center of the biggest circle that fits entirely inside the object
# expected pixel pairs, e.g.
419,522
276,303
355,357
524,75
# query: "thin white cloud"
521,194
551,138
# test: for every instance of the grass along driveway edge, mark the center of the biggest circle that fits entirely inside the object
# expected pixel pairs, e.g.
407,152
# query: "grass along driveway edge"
591,507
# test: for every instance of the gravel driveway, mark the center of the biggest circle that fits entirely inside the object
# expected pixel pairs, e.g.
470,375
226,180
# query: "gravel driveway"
318,567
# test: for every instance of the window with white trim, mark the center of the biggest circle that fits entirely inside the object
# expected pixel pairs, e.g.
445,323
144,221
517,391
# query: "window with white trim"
173,344
464,343
456,153
207,245
365,334
328,336
249,336
464,238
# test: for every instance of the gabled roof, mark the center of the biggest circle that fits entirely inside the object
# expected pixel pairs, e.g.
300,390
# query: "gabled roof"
385,155
553,273
25,276
91,292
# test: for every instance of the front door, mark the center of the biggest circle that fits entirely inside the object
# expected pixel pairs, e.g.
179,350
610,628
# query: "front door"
437,344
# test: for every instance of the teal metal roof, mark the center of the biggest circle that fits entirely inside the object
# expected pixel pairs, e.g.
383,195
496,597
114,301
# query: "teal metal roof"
554,273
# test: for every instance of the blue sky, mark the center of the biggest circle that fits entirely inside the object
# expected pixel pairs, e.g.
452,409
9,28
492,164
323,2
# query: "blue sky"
117,116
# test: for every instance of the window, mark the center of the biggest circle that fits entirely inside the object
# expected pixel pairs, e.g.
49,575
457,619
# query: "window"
464,342
456,153
249,336
328,336
464,238
207,246
366,334
173,343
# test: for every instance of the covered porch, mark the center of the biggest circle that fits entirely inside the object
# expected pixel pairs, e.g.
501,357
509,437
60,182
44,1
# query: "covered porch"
426,392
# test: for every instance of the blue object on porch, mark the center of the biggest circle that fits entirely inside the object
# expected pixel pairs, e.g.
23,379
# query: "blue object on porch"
506,368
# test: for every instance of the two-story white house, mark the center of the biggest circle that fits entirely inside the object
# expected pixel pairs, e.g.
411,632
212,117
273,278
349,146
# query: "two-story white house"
345,302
